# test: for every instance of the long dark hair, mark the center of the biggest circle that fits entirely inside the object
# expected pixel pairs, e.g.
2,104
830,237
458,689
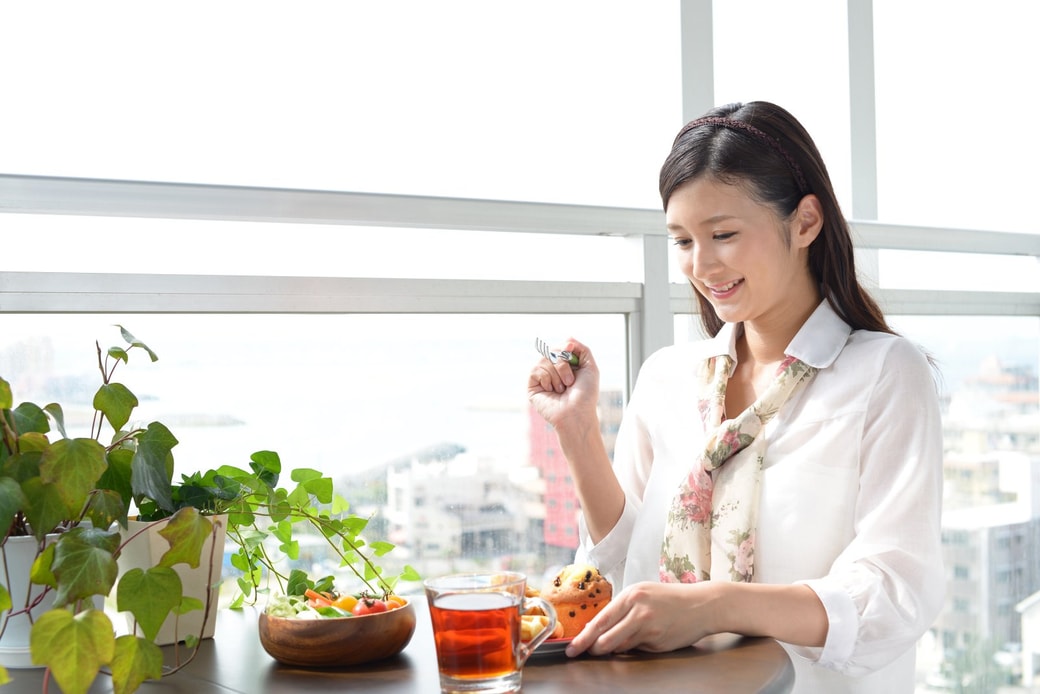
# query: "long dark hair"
764,149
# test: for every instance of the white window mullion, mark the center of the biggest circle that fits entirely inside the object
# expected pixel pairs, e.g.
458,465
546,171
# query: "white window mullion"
698,59
862,111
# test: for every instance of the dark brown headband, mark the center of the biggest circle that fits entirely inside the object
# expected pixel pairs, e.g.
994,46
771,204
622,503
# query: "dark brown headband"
732,124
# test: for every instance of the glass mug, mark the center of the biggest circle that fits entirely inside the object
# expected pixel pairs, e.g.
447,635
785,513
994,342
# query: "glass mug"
476,628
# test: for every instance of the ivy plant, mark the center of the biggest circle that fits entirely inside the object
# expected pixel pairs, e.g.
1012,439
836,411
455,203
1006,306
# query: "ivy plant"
73,495
265,520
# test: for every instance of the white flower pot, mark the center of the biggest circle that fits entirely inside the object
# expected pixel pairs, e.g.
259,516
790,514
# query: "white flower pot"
145,550
18,554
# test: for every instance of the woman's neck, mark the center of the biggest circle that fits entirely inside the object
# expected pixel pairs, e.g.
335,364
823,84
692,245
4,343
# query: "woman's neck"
765,341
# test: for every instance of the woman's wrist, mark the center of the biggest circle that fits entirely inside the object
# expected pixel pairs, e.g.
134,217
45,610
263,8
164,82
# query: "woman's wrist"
789,613
581,438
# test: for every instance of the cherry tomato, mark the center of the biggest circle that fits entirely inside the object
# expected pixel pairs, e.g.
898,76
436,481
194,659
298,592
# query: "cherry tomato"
370,606
346,602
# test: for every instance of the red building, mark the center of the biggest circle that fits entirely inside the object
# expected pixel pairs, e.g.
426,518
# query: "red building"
560,532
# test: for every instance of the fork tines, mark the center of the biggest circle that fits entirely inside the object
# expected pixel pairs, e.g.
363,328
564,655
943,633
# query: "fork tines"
552,356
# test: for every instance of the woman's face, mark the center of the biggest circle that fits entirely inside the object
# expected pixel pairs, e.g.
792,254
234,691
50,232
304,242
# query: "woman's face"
736,252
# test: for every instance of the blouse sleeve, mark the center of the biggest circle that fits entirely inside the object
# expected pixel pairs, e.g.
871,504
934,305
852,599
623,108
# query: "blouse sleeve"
633,458
884,590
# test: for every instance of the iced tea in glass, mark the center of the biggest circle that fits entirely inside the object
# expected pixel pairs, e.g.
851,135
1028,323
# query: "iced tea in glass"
476,628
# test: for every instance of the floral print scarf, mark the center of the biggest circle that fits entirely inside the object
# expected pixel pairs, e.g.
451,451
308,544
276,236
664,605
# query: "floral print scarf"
712,522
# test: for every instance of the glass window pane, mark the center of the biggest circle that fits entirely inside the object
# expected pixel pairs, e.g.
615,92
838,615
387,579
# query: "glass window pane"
557,102
951,86
797,57
971,271
991,427
366,399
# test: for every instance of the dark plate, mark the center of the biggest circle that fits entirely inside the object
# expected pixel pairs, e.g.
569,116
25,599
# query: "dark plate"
551,647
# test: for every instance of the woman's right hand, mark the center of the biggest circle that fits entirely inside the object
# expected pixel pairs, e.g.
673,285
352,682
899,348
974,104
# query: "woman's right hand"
568,398
560,392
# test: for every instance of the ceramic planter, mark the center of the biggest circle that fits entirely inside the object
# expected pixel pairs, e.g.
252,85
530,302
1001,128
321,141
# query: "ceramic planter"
17,555
145,550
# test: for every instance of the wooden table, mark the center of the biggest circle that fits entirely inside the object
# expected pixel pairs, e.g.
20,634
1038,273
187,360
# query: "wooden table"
235,662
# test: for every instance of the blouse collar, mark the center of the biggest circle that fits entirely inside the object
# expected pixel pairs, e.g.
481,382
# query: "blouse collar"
818,343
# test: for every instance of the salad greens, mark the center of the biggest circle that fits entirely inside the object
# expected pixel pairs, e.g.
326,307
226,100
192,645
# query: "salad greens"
308,599
297,607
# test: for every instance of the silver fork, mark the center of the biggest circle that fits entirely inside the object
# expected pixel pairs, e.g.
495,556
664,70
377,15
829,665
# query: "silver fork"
543,349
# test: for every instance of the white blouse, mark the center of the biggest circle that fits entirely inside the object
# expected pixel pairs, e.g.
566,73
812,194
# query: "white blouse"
850,500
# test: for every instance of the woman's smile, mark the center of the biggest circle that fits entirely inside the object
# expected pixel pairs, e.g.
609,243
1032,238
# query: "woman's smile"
724,291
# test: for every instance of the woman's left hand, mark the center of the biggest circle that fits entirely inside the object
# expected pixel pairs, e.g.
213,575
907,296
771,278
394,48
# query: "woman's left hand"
662,617
649,616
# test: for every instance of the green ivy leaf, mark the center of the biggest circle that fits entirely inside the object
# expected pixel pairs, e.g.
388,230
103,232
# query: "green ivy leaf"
299,498
75,648
119,354
117,475
6,399
186,531
12,500
240,518
135,661
84,564
58,415
116,402
231,472
188,604
267,466
245,586
279,509
134,342
354,525
26,463
5,599
152,465
74,465
290,549
33,442
105,508
380,548
29,417
304,474
340,506
149,596
321,489
40,573
239,561
207,493
46,508
282,530
250,539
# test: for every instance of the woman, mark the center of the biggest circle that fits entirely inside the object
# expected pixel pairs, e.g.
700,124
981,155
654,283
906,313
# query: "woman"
794,458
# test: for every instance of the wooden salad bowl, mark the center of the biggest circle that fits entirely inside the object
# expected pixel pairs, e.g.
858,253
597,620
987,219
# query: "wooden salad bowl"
337,642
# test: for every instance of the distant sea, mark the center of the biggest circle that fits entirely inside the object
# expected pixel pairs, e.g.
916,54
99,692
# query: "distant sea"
345,393
337,393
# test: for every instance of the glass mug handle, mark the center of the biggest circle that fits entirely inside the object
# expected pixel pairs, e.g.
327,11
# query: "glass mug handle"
528,647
